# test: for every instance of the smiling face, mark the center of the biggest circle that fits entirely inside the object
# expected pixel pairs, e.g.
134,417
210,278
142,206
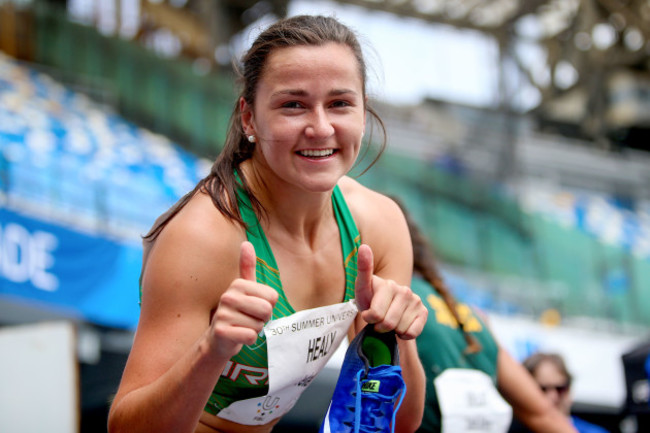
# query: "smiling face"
308,116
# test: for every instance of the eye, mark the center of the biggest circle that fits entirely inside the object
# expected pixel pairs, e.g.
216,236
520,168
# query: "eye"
292,104
341,104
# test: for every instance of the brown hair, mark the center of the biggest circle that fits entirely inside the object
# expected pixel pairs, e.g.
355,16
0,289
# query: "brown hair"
424,264
221,183
533,362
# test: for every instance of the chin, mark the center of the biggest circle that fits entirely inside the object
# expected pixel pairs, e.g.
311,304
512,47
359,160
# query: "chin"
320,185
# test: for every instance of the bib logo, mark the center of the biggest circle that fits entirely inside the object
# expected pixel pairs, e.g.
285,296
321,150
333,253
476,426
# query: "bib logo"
270,402
267,407
305,381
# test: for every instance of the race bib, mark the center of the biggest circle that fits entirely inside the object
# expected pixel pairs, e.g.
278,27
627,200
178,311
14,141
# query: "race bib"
298,348
469,402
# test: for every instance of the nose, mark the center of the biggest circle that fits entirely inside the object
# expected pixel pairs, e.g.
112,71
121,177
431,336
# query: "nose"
320,125
553,396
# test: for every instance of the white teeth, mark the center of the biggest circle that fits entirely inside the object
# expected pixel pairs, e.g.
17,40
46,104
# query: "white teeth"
317,153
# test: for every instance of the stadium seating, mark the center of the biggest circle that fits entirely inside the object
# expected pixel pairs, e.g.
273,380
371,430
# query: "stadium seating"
69,158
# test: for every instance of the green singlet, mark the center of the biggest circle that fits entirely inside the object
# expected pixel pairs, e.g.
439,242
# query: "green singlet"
441,346
246,374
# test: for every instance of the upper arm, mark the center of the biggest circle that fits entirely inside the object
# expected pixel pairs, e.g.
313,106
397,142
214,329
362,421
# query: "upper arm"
517,386
188,269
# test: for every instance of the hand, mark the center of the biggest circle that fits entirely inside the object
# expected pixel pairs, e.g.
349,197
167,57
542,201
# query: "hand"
243,308
390,306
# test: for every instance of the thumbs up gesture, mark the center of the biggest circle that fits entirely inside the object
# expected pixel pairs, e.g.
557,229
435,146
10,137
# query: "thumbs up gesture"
388,305
243,308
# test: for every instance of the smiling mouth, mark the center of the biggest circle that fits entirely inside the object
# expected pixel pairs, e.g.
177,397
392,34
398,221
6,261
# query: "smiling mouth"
316,153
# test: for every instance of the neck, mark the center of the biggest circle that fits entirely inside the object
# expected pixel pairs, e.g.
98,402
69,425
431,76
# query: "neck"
290,211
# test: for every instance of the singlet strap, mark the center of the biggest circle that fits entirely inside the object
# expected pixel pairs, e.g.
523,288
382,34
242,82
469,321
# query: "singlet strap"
267,270
254,232
350,240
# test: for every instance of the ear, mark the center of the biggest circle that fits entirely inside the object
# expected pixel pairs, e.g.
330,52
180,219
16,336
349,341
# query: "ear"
246,112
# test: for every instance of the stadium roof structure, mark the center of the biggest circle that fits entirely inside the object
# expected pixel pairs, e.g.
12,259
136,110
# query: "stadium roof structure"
594,80
587,34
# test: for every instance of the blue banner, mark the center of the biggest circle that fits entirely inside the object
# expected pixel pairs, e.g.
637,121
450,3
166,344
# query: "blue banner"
82,275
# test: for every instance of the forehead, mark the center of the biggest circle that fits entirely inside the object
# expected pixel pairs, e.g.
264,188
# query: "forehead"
297,63
547,370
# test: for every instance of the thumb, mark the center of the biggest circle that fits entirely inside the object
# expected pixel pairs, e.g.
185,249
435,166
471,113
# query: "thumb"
363,284
247,261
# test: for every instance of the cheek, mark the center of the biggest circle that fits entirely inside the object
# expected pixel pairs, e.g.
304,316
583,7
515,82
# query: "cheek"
292,132
353,132
275,149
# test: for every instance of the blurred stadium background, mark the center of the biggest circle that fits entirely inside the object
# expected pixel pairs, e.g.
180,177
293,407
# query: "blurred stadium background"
538,203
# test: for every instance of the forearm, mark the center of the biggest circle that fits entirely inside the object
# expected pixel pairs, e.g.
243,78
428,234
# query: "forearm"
172,403
409,416
550,421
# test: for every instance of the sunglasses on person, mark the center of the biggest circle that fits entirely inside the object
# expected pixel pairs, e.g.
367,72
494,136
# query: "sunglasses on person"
560,389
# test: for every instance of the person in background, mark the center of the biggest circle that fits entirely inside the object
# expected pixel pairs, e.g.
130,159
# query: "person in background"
473,385
554,379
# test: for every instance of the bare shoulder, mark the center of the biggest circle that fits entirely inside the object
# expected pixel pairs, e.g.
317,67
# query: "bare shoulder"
196,255
371,209
381,224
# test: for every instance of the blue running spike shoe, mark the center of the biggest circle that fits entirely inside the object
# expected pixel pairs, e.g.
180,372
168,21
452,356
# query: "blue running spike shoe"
370,388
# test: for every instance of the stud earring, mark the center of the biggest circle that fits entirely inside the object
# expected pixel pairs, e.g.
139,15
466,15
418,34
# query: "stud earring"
251,139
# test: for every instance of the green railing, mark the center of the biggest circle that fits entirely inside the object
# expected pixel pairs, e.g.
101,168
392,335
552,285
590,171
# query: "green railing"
475,226
165,95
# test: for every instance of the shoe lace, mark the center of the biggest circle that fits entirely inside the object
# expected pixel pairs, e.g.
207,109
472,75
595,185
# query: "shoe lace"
379,404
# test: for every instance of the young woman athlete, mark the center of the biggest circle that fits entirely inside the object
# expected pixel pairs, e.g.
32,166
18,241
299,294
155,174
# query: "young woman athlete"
247,282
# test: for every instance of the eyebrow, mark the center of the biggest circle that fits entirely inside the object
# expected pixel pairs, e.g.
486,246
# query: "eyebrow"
299,92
